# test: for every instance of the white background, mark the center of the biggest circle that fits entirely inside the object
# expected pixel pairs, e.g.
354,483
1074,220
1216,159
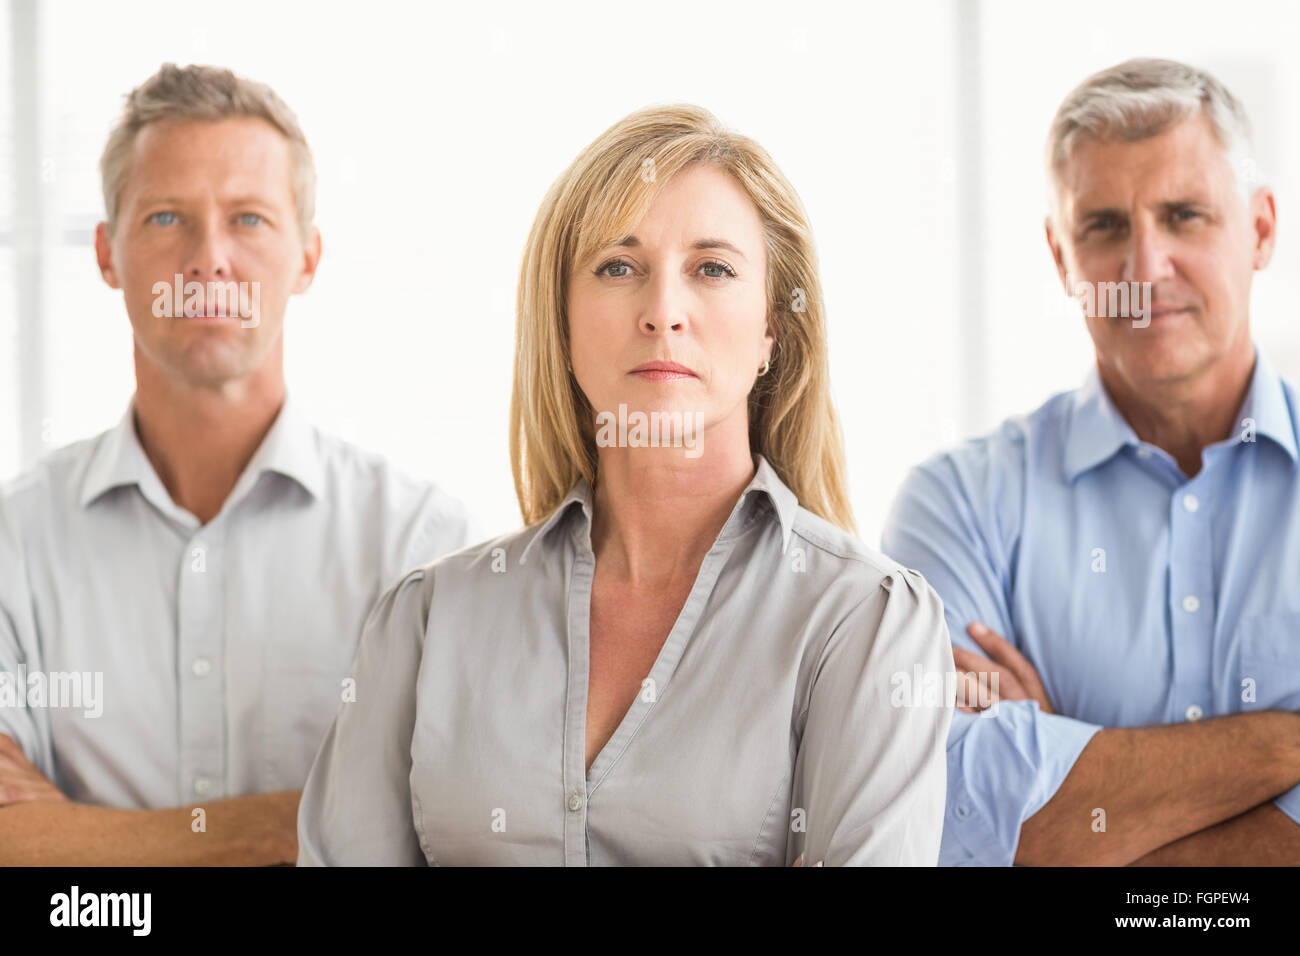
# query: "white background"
913,131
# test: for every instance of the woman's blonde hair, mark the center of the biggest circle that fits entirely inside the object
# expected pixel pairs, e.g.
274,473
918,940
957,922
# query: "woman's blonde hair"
599,200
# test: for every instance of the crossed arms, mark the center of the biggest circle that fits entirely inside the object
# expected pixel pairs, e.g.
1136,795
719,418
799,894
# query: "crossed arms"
39,826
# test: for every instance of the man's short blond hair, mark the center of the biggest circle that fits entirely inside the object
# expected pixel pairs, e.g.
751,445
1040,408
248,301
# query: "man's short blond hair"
205,93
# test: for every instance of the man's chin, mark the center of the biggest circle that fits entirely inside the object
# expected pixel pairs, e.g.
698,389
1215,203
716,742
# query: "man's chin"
1162,363
212,366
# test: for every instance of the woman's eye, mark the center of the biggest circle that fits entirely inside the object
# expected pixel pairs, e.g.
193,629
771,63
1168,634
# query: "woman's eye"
718,270
164,218
249,219
613,264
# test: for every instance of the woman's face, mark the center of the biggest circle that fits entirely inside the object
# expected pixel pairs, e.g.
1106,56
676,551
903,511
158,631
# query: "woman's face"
688,288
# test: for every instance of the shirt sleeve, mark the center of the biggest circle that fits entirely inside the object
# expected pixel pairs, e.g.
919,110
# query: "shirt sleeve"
19,653
441,527
1007,762
356,807
1289,803
870,770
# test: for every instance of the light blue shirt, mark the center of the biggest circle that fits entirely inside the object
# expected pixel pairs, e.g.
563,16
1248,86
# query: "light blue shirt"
1141,596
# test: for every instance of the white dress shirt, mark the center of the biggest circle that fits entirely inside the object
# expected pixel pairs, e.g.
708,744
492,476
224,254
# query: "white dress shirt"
221,649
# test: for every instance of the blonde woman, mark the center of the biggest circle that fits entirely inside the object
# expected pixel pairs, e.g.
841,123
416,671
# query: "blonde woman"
685,657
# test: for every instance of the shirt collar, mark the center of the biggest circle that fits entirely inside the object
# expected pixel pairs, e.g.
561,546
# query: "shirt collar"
1267,406
765,485
289,448
1097,430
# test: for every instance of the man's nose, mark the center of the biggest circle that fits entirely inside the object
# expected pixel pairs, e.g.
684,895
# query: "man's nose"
1148,257
209,253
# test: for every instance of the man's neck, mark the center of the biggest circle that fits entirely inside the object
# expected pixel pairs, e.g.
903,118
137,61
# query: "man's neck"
200,440
1186,416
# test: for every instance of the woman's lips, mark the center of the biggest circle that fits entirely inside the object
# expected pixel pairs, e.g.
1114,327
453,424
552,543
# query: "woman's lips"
662,372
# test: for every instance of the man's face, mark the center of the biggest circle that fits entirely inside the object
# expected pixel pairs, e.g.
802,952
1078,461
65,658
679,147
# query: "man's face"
213,202
1165,210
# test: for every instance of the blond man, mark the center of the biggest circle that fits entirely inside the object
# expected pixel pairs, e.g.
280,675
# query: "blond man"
181,596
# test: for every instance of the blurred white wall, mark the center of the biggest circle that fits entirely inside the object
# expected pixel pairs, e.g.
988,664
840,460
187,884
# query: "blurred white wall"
913,132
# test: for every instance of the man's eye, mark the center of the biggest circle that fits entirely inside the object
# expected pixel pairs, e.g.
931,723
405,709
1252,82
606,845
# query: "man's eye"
1101,224
249,219
612,265
163,218
720,269
1185,215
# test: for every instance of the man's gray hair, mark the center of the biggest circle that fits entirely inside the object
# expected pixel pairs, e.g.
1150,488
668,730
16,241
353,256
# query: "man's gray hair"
205,93
1145,97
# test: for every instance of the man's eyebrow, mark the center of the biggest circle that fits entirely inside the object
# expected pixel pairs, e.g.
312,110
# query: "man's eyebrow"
630,242
160,201
1184,203
1101,211
248,200
245,200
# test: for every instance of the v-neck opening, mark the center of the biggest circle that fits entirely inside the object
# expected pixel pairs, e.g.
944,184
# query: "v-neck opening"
661,671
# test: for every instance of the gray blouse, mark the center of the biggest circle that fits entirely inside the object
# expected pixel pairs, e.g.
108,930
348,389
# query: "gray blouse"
779,719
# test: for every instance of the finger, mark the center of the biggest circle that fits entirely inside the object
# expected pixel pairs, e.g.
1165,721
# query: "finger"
1003,652
970,661
25,795
1006,653
967,690
1006,687
992,643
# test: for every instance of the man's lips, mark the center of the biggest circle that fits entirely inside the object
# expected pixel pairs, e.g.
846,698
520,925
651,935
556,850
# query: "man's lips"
662,371
1168,311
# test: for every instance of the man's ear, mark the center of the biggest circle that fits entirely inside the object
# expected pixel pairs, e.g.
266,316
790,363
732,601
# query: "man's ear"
1058,255
104,256
311,250
1263,218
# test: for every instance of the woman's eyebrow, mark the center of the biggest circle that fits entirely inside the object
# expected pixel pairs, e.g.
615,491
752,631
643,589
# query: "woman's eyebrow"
633,241
716,244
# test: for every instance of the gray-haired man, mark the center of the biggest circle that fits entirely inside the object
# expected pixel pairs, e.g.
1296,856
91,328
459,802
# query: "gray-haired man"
1127,555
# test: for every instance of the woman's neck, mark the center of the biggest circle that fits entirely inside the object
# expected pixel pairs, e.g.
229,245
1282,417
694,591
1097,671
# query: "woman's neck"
657,512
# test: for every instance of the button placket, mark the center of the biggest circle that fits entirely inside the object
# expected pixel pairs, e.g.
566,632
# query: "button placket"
1191,594
575,715
199,622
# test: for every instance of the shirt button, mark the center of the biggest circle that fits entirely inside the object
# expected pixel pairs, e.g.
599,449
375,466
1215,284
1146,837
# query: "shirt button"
1194,713
1191,604
1144,451
1190,502
201,666
202,785
962,811
575,801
